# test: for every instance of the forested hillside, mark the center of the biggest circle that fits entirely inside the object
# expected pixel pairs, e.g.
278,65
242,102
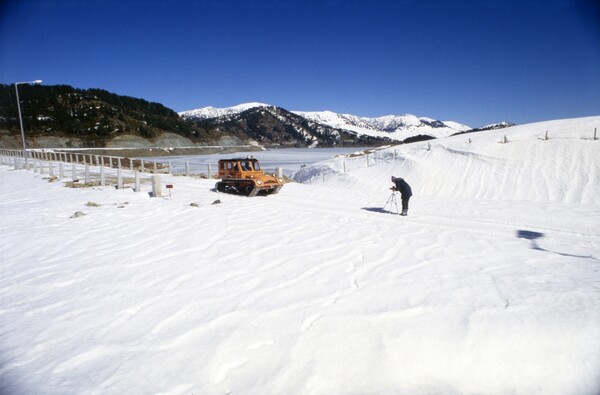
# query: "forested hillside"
93,115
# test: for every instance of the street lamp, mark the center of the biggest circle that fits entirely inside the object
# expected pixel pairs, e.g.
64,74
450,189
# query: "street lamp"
36,82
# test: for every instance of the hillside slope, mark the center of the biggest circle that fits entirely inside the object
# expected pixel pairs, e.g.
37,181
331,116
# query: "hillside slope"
277,127
564,168
394,127
91,117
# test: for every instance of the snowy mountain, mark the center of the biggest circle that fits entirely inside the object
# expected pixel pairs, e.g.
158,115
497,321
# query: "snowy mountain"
213,112
490,286
394,127
276,127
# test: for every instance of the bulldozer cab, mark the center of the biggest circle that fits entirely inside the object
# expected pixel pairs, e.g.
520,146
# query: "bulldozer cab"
238,167
244,176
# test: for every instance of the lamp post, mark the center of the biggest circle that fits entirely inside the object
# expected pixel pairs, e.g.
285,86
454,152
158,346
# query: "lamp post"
36,82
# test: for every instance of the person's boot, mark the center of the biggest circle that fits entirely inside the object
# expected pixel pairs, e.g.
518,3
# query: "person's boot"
404,213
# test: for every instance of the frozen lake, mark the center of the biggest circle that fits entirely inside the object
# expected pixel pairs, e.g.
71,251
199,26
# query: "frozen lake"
290,159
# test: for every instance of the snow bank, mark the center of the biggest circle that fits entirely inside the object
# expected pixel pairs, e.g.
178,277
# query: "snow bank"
563,168
315,290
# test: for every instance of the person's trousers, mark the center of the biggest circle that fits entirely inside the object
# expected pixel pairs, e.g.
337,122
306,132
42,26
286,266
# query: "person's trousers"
405,204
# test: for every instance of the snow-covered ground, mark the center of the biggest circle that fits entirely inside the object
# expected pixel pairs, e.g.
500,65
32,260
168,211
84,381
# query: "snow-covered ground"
491,285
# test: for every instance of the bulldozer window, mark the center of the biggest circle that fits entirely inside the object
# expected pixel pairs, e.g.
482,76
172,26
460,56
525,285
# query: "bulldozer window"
246,166
256,165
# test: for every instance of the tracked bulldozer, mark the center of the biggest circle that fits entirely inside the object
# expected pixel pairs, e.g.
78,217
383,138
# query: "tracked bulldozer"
245,177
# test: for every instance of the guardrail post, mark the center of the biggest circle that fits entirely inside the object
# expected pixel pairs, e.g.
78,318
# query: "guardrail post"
119,178
280,172
156,191
142,165
170,168
187,168
137,182
51,168
210,170
74,172
16,164
61,170
87,173
154,167
102,176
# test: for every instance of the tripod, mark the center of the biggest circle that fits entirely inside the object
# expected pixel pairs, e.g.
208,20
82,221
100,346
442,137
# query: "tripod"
392,201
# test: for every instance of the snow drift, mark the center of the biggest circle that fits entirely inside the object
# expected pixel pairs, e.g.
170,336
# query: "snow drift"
555,161
489,286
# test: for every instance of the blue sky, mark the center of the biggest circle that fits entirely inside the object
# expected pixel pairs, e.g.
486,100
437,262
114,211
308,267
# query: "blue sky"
475,62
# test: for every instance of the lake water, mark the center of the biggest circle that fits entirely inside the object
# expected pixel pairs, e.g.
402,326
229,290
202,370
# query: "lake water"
290,159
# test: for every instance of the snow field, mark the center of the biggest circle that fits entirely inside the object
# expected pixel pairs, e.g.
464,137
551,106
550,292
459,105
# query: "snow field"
315,290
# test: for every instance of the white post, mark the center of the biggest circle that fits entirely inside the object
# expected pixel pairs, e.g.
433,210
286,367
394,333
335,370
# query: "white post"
170,168
51,169
187,168
74,171
154,167
87,173
137,182
156,191
210,170
280,172
102,176
61,170
143,168
344,163
119,178
16,164
130,164
367,160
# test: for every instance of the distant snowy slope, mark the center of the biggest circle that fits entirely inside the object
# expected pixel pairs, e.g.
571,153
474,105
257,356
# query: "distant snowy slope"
214,112
564,168
396,127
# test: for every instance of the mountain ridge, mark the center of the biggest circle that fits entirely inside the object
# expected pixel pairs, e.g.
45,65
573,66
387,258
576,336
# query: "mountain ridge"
394,127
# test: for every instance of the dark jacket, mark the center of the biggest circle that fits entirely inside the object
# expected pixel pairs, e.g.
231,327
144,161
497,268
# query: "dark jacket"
403,187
